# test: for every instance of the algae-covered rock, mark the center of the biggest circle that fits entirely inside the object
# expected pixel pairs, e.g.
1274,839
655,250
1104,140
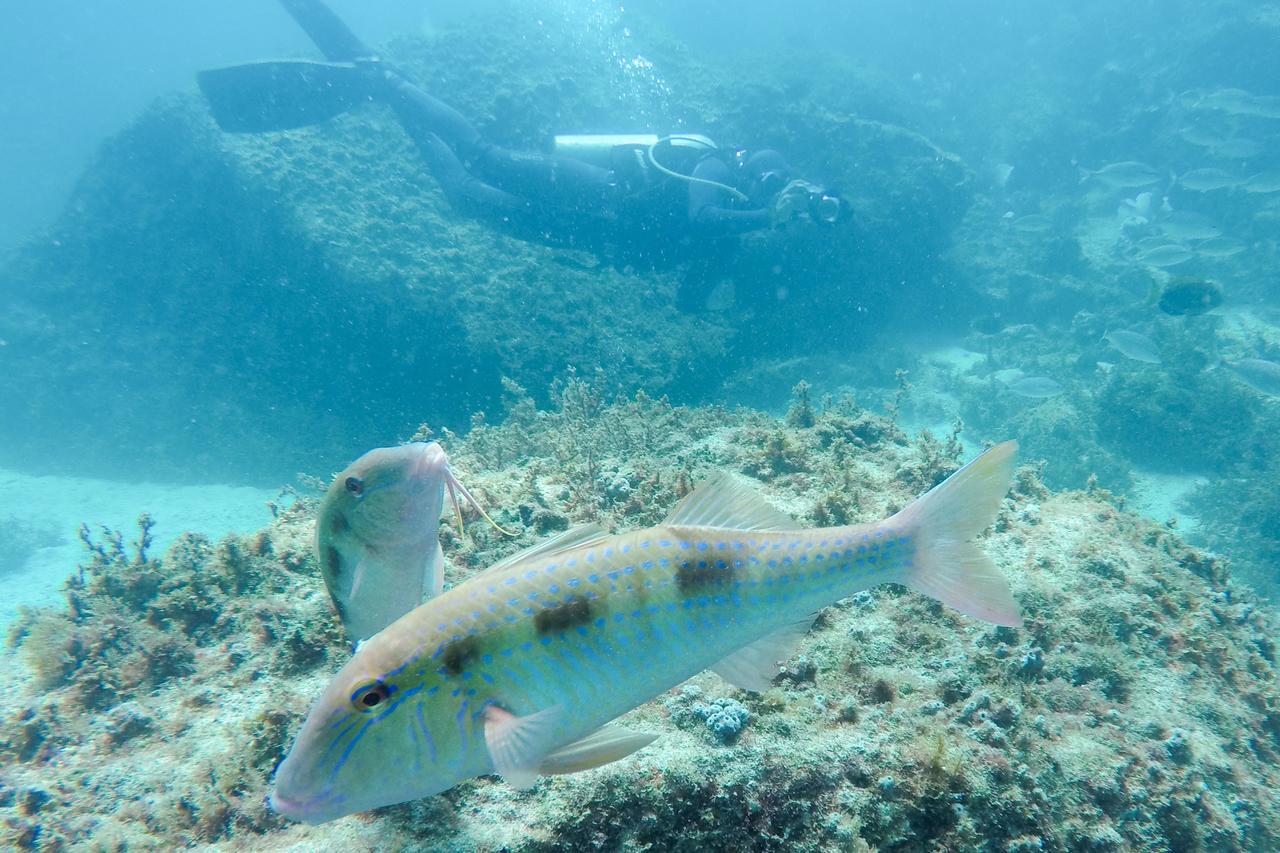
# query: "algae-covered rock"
1136,708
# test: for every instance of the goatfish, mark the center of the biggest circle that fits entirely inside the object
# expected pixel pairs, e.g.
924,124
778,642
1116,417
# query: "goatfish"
377,534
519,670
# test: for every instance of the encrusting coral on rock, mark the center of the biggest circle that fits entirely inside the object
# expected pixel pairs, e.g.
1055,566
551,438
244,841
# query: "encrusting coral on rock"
1137,708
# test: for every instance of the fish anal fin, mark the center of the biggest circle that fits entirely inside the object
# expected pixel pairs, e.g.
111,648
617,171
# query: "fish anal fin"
518,745
605,745
753,667
574,537
725,501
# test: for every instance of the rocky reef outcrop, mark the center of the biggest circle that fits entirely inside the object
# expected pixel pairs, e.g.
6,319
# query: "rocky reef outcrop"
1137,708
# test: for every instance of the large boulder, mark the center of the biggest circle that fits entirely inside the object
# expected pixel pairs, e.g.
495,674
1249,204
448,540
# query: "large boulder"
206,299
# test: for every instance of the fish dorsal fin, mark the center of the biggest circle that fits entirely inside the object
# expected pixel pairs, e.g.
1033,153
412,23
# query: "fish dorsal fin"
583,534
725,501
518,745
604,746
753,667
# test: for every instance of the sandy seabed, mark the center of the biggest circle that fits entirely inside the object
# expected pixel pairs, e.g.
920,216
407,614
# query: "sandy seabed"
52,508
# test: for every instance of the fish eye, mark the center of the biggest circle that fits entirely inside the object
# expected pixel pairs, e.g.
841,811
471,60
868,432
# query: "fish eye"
355,486
370,695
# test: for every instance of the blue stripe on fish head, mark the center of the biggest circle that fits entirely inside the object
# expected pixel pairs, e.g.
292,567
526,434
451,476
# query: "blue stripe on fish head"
372,741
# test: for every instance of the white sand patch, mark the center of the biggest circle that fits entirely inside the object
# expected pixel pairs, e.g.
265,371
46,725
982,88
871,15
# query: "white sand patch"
1158,496
51,509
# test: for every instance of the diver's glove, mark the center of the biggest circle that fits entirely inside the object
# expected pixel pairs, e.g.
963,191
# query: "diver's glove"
790,202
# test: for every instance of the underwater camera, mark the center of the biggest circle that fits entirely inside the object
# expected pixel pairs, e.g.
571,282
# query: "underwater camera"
825,207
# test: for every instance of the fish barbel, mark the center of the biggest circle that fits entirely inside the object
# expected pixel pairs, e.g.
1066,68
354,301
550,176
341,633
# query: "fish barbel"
519,670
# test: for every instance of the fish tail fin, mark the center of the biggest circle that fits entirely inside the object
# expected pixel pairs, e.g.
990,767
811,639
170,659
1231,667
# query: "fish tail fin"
946,563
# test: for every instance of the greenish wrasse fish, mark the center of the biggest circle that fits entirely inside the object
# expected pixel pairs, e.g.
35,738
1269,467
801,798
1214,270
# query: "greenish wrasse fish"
377,534
519,670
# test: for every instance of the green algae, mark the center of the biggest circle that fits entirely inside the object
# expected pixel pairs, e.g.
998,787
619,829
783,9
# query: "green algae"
1137,706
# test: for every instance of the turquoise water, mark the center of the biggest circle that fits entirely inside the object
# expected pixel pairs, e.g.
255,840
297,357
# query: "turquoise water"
1054,225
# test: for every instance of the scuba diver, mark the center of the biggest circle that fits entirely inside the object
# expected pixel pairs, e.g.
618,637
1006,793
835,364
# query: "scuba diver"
639,192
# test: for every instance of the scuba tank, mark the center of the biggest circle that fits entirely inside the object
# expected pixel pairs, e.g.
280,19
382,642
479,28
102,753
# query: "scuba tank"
602,149
634,156
606,150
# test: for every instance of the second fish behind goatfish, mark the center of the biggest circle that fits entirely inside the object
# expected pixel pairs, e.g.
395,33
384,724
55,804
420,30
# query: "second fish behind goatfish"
377,534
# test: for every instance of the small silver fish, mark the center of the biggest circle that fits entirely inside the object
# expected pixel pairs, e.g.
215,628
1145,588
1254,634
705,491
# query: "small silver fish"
1133,345
519,670
1259,374
1168,255
1227,100
1146,244
1129,174
1265,106
1036,387
1238,149
1263,182
1207,180
1188,225
377,534
1240,103
1033,223
1220,247
1202,137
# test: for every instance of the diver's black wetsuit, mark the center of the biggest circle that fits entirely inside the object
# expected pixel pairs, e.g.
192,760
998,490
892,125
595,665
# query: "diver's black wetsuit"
553,196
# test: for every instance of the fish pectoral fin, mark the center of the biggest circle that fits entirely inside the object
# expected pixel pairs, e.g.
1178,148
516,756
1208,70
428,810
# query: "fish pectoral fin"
604,746
753,667
433,577
518,745
357,577
725,501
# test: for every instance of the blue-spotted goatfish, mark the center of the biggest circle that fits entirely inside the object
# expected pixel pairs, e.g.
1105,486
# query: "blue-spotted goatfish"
377,534
519,670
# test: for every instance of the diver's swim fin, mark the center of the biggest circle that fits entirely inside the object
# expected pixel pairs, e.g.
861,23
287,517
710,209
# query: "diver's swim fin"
335,41
281,94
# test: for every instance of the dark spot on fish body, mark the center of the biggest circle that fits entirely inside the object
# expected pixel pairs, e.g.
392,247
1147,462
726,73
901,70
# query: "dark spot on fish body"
456,654
338,524
341,610
694,577
332,562
570,613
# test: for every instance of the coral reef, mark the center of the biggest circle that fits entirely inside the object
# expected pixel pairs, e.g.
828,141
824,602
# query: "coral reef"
1137,708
